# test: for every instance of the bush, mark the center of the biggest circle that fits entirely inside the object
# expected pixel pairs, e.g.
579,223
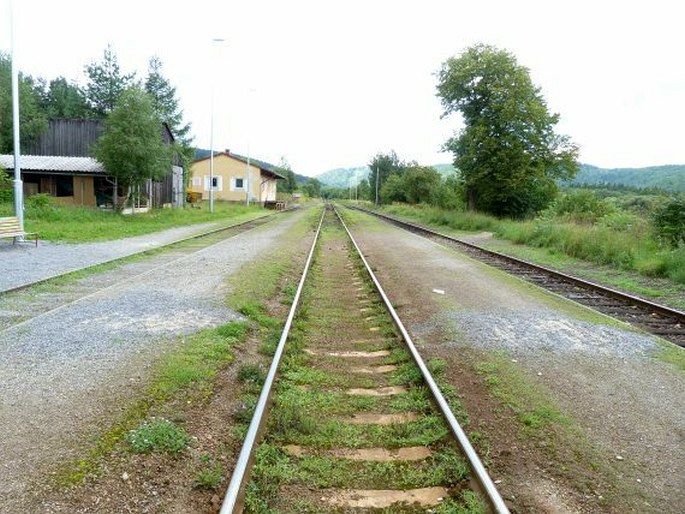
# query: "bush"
580,206
6,187
669,222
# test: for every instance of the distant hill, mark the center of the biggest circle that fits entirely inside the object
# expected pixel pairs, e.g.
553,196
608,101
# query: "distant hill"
343,177
669,177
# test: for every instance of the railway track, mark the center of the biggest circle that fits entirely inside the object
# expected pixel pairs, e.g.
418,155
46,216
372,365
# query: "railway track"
656,319
350,418
27,301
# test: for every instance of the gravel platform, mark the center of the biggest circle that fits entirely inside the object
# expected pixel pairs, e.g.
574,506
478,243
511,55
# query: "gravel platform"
64,371
607,377
28,263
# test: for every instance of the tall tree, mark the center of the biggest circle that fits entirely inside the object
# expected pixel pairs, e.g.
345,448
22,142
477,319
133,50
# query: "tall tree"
62,99
382,166
31,117
106,83
508,153
131,147
165,102
288,185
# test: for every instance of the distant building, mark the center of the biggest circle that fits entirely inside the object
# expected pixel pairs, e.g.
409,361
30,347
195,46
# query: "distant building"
232,178
60,164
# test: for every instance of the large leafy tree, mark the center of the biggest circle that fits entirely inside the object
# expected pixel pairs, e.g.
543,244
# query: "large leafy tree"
131,147
382,166
63,99
508,152
105,83
32,119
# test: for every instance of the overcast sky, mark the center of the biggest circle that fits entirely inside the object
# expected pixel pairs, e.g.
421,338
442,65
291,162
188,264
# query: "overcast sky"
330,83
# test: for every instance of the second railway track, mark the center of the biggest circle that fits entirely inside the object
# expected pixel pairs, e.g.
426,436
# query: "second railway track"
358,423
27,301
660,320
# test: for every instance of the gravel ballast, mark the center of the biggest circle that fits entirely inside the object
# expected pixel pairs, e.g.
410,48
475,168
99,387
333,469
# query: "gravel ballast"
64,371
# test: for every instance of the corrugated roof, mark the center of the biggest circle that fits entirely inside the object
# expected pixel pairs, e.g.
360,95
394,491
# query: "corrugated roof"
53,163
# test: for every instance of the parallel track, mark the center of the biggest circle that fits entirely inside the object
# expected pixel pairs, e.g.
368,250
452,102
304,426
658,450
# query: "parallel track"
356,353
656,319
227,231
19,304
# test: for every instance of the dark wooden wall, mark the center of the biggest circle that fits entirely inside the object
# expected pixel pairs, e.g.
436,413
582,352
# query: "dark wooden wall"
68,138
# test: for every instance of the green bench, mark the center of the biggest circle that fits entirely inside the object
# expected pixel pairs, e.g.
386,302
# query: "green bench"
9,227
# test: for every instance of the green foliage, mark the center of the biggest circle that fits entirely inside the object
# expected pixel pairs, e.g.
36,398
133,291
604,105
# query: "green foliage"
393,190
157,435
131,147
419,182
165,103
32,118
669,222
312,188
289,185
508,153
210,474
105,83
63,99
580,205
667,178
6,186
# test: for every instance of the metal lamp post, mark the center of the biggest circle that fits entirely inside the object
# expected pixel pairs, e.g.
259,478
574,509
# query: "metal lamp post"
211,134
18,185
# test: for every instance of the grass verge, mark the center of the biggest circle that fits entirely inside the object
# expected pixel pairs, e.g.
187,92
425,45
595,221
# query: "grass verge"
186,373
76,224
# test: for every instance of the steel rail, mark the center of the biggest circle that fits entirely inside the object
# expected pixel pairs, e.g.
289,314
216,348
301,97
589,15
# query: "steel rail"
141,252
233,498
485,482
654,307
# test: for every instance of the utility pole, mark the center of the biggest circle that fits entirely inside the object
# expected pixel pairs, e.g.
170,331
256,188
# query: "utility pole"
378,174
18,185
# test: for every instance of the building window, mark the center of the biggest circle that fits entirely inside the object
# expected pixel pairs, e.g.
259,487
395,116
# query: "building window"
217,181
64,186
239,183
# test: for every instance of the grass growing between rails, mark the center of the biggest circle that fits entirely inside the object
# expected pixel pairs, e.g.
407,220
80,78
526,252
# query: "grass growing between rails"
624,246
76,224
186,375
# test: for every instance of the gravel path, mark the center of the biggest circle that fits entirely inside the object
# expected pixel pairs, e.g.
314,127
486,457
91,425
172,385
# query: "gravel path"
628,403
64,371
28,263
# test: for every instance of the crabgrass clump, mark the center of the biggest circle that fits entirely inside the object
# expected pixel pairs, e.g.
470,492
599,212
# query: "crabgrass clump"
158,435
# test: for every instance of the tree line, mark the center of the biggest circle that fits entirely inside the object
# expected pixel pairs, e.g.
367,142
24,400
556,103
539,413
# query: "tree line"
131,147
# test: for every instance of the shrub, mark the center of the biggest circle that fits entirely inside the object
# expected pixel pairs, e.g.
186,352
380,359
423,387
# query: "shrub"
581,206
669,222
6,186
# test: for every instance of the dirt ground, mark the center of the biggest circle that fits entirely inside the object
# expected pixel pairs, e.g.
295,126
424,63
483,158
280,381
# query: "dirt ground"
627,405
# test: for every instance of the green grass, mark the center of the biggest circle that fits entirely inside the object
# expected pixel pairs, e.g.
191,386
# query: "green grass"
209,473
627,248
185,373
672,354
157,435
530,403
443,467
82,224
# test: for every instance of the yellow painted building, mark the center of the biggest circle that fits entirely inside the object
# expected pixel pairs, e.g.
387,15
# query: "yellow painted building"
233,178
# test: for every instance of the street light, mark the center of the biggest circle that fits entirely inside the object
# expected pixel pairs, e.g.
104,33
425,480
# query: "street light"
211,130
18,186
